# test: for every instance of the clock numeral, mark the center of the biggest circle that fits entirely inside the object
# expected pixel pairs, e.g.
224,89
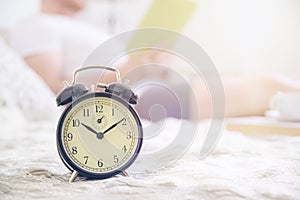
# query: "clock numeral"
124,148
76,123
116,159
112,112
124,122
74,150
99,109
100,163
129,135
86,158
86,112
70,137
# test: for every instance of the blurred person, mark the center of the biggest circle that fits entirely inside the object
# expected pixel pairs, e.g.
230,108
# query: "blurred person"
54,43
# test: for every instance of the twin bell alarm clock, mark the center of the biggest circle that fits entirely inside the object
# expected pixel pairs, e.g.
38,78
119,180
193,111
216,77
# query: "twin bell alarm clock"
99,134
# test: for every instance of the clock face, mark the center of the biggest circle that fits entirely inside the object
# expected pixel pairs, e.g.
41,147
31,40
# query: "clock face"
99,135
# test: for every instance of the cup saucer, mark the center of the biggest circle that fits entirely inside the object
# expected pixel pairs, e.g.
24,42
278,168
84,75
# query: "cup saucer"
275,114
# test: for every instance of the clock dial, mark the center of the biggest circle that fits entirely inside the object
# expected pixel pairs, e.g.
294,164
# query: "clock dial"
99,135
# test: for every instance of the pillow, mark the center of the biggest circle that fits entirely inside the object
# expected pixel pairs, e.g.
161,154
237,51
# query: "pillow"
21,88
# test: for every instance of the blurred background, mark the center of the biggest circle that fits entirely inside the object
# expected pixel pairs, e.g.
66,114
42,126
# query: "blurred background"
243,37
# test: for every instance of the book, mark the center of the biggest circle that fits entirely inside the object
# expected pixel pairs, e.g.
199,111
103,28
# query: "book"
168,14
165,14
262,125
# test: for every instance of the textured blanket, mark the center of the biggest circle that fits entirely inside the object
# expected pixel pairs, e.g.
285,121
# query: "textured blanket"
240,167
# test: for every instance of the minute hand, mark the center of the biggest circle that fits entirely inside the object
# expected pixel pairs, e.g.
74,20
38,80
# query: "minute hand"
113,126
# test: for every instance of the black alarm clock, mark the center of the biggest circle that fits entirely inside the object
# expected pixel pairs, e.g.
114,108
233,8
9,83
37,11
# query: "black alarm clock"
99,134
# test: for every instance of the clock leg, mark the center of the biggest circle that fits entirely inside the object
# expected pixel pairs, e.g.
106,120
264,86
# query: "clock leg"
73,176
124,173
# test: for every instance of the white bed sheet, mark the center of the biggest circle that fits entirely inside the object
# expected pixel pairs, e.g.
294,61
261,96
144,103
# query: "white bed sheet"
240,167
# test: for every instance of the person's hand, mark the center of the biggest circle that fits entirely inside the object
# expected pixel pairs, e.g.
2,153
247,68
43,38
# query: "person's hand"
150,64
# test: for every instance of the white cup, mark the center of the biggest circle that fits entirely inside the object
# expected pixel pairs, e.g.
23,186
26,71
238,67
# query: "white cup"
287,105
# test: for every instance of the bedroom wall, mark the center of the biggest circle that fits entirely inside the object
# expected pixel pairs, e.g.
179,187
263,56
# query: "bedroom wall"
249,36
241,36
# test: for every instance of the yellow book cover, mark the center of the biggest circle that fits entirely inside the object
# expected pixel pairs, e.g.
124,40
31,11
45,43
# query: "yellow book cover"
165,14
169,14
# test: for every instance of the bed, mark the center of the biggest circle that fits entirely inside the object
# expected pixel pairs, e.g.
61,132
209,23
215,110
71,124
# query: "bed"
240,167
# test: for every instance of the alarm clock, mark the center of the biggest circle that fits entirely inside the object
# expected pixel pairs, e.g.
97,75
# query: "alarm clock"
99,134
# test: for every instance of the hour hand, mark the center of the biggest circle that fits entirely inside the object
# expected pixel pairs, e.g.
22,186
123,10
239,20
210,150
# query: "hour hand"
89,128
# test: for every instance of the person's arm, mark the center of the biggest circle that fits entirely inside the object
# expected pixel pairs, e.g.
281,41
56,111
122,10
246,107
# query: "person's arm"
245,96
131,68
49,67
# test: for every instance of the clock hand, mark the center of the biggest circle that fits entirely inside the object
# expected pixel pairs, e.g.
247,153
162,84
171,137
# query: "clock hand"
100,119
89,128
113,126
100,135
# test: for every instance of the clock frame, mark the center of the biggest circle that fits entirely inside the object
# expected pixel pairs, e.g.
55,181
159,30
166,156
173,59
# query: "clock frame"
67,159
